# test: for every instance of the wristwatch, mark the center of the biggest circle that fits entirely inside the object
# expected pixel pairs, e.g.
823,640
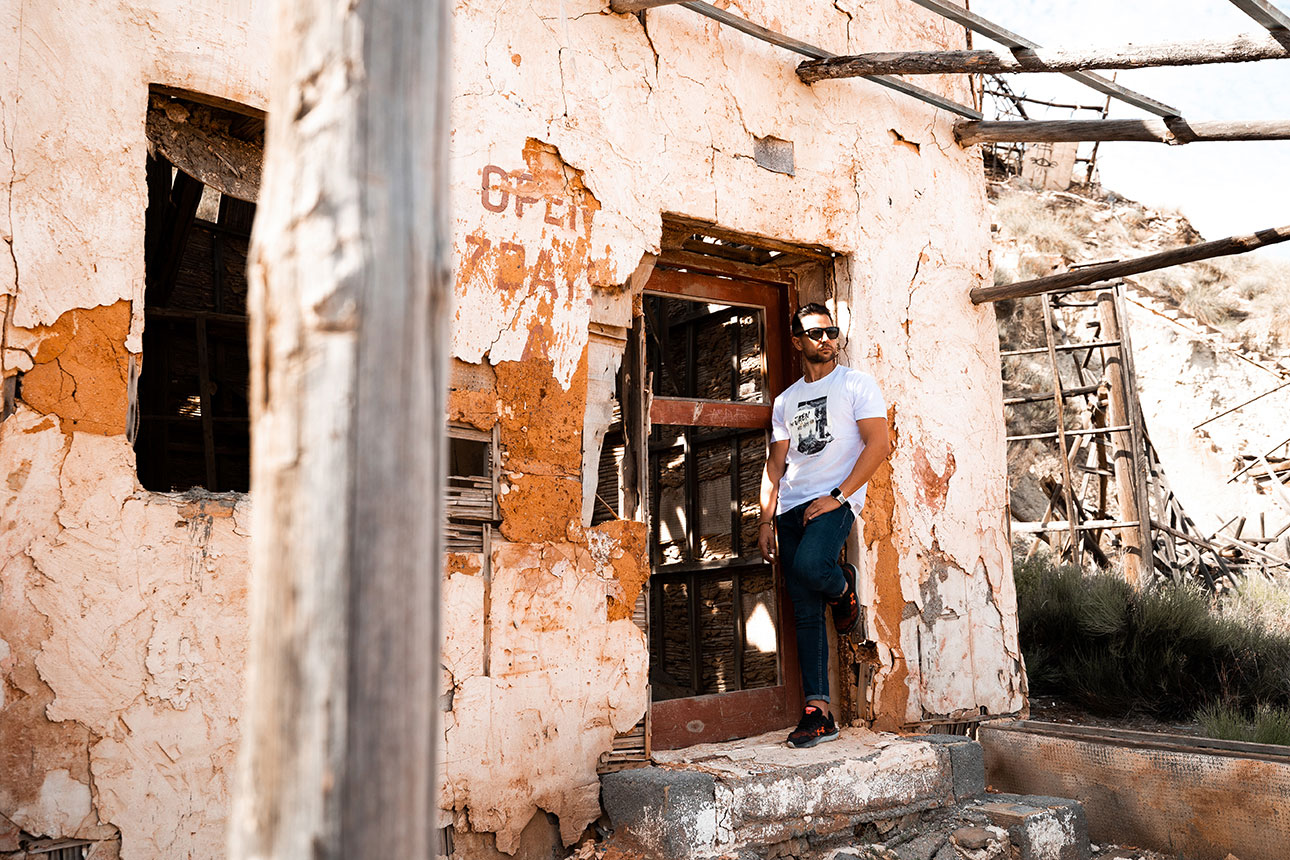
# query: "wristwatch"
837,493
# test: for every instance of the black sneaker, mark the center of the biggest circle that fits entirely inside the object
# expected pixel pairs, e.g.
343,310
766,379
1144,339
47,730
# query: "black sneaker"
846,609
815,727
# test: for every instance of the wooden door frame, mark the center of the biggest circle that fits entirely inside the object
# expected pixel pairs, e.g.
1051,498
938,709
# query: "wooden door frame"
676,723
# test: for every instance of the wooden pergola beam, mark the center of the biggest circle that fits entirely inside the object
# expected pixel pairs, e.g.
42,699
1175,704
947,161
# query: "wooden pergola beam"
622,6
1270,17
1175,131
1242,49
1009,39
1124,268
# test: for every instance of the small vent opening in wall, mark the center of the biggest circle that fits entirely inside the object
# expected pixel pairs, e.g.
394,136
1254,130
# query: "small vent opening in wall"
61,849
471,502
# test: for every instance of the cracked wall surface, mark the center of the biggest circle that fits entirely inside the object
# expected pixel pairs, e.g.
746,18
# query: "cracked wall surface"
659,114
574,131
122,612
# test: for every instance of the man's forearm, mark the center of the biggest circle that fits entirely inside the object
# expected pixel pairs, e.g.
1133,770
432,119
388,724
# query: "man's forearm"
866,464
769,494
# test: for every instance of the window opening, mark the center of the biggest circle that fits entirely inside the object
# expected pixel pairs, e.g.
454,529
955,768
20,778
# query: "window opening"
471,501
193,400
610,503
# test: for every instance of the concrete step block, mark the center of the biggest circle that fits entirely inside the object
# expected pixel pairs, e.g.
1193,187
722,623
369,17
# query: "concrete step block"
758,796
1041,828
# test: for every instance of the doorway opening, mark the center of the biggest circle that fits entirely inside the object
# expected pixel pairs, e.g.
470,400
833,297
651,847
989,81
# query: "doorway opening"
713,342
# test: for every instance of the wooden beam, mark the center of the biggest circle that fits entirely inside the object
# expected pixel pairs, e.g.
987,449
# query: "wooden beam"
1135,564
1007,38
1242,49
1273,19
627,6
1123,268
1176,131
201,148
349,300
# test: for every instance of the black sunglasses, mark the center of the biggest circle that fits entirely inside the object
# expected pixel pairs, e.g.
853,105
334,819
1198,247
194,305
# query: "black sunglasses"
818,334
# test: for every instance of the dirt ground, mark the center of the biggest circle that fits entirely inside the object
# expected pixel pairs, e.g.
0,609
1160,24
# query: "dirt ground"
1050,710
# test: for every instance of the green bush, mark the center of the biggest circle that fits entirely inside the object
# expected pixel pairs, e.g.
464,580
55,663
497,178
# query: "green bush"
1164,651
1268,725
1223,722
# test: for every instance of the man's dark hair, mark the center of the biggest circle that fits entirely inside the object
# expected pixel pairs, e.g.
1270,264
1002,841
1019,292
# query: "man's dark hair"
806,311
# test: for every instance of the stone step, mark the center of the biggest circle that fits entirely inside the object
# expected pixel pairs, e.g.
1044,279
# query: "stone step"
993,827
865,796
751,795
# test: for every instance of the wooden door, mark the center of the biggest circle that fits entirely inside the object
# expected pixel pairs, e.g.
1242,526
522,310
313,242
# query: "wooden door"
722,652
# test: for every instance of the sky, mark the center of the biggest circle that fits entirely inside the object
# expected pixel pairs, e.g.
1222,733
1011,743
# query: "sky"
1224,189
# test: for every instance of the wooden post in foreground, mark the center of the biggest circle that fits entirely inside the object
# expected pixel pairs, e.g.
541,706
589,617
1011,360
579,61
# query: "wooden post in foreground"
1125,463
348,307
1123,268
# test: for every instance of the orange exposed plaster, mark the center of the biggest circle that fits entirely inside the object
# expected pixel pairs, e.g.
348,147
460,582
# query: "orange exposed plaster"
541,424
476,408
214,508
31,745
931,487
537,508
82,368
628,556
469,563
889,602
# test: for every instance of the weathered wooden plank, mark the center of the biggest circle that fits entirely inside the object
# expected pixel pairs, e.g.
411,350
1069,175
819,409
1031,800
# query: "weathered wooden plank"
1124,268
204,151
1149,130
1138,430
622,6
977,24
781,41
349,302
1242,49
1241,405
1059,405
1134,562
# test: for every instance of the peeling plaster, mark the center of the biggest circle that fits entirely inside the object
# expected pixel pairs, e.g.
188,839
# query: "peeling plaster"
124,611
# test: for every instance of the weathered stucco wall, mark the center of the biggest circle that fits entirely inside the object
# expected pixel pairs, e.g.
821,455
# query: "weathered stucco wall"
121,611
574,132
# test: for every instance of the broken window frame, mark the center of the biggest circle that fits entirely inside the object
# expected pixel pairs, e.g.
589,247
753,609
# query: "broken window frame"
469,517
190,136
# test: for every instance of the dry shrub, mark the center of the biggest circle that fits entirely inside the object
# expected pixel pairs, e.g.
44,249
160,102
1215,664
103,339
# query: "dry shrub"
1165,650
1042,225
1210,304
1266,725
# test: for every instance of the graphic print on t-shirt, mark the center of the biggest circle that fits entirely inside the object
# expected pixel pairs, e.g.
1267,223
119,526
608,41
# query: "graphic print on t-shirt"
809,426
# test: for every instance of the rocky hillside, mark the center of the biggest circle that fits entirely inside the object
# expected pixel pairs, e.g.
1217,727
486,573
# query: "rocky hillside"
1206,337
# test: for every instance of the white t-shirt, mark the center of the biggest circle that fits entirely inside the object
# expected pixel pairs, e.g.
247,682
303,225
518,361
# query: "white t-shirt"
819,421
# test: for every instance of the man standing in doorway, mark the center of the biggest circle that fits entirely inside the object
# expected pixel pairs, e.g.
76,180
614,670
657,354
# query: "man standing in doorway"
828,437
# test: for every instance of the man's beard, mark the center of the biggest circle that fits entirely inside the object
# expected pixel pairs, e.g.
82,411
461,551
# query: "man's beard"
818,358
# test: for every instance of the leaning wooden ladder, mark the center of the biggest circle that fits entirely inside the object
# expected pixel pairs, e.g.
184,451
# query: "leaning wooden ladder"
1109,447
1155,534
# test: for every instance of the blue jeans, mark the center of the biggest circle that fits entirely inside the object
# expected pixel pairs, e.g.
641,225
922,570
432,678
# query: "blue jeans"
808,556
